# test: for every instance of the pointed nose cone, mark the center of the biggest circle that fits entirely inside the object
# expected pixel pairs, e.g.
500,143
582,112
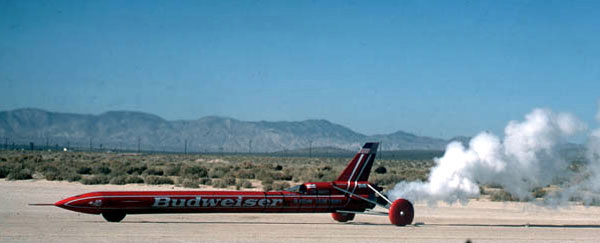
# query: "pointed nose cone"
86,203
61,203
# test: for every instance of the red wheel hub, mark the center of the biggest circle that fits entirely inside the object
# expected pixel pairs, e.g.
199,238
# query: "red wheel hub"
401,212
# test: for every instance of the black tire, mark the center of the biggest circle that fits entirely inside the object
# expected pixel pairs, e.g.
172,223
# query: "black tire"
113,216
342,217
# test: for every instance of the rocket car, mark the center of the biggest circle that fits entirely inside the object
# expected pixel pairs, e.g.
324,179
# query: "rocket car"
348,195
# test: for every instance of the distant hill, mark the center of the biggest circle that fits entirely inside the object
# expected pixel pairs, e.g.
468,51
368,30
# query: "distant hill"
406,141
463,139
125,129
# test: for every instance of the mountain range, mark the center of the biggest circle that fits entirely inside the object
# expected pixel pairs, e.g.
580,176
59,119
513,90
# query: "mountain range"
127,130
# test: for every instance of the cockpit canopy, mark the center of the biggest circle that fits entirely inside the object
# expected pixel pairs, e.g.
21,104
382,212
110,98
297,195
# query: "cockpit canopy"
297,189
329,188
313,188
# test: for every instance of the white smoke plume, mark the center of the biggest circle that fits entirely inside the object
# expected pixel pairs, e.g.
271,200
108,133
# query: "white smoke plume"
588,189
525,159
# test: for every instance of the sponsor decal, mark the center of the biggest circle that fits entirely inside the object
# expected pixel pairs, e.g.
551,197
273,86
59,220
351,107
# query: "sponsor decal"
215,202
96,203
303,201
336,201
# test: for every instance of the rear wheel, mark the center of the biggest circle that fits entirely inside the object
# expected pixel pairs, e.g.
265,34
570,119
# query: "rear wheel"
113,216
342,217
401,212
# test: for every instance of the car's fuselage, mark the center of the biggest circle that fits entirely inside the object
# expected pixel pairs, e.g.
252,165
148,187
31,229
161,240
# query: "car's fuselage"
319,197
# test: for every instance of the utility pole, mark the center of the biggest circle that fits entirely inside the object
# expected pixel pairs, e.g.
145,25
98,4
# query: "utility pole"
250,146
310,148
90,144
138,140
185,147
380,149
47,143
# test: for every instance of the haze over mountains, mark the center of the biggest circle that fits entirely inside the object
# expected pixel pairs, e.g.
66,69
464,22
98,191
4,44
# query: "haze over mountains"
124,129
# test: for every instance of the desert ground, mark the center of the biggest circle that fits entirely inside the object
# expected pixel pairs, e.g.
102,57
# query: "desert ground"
479,221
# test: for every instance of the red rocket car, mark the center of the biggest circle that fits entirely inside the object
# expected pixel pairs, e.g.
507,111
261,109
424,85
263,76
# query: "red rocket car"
348,195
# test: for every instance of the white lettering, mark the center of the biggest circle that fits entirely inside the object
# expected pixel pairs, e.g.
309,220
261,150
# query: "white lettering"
220,202
210,202
180,204
250,203
263,202
193,202
274,202
161,202
227,202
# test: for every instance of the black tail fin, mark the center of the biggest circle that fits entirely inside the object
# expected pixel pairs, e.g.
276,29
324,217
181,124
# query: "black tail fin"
359,167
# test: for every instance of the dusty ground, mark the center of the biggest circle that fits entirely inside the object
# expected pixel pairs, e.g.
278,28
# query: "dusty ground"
479,221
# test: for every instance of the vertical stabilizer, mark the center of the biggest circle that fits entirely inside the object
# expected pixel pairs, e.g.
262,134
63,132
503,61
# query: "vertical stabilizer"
359,167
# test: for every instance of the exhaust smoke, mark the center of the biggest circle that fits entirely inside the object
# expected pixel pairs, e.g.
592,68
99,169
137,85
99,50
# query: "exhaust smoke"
525,159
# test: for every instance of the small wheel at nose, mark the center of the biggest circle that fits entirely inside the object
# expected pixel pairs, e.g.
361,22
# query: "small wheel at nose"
113,216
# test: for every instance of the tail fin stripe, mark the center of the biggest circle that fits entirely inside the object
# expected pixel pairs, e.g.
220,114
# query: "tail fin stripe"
363,167
360,173
354,170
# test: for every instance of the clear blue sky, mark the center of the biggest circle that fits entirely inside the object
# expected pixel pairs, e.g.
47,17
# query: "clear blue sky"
437,68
